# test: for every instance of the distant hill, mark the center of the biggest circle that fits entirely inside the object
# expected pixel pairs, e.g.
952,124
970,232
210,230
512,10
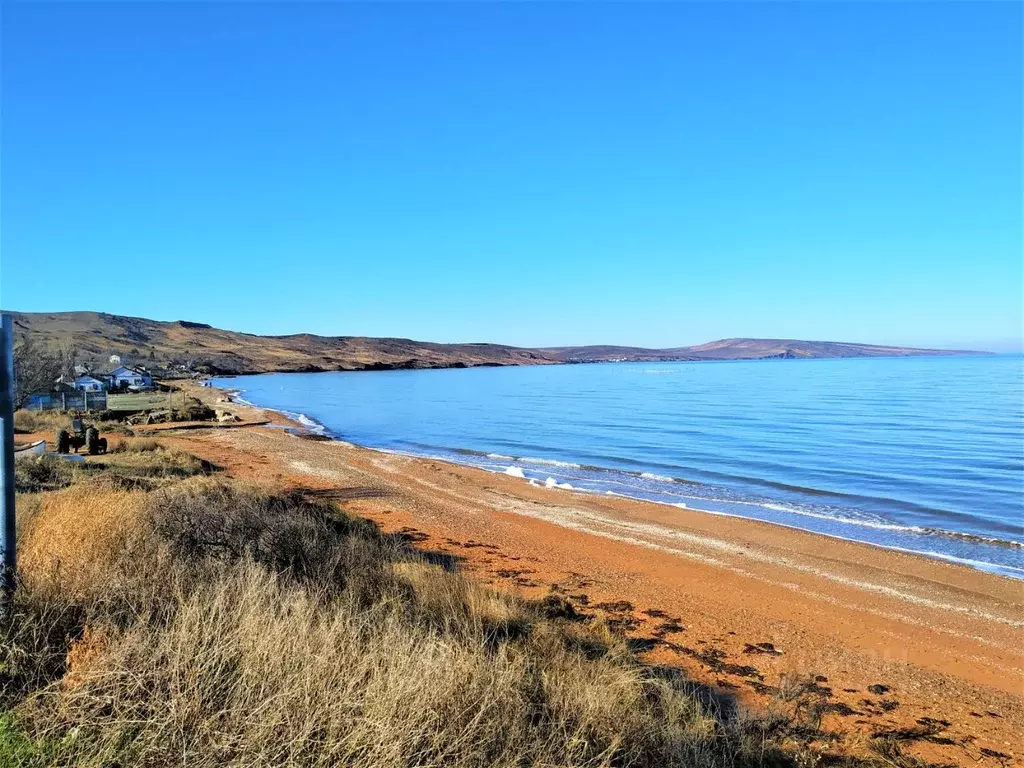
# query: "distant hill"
741,349
197,347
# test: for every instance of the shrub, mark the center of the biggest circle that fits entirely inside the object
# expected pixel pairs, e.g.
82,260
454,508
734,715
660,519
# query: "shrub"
137,445
212,623
42,473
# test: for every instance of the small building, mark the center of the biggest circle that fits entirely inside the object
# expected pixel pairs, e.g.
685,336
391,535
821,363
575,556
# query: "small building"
114,360
130,377
90,384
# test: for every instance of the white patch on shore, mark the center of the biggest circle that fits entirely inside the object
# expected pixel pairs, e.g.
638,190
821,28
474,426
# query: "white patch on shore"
552,483
515,471
309,469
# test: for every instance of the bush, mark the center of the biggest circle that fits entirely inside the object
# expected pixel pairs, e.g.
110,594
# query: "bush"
212,623
137,445
194,410
40,421
33,474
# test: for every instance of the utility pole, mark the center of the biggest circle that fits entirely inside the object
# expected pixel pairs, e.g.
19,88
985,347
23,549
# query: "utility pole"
8,529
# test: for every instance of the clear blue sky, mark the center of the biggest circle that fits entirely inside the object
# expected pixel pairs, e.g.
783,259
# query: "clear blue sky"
530,173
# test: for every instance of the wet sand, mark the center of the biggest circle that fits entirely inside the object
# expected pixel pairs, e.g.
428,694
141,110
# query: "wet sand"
928,651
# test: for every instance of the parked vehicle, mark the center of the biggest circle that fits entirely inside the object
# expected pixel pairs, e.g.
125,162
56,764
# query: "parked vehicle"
80,435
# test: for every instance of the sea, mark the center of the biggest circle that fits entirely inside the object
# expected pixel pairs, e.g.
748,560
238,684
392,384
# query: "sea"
918,454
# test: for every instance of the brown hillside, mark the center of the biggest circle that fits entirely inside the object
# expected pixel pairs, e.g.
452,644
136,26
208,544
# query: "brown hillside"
199,347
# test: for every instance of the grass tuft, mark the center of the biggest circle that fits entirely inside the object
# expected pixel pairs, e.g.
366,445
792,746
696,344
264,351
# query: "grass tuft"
33,474
209,622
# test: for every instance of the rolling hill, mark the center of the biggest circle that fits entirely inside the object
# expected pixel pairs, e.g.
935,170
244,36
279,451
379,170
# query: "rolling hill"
197,347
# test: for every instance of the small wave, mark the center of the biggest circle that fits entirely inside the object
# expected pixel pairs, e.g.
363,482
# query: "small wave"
549,462
552,483
659,478
499,456
471,452
312,425
1006,570
882,526
514,471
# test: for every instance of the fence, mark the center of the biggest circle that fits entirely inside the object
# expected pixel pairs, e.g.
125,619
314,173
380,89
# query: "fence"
68,401
141,401
101,401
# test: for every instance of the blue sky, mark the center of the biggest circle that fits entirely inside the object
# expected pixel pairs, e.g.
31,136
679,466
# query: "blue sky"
530,173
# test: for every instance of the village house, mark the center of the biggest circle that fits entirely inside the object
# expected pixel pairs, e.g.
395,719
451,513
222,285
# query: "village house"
90,384
130,377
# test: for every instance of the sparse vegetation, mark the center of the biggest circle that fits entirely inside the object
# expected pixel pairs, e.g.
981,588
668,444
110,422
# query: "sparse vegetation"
37,366
48,422
224,624
42,473
202,621
137,445
194,410
26,422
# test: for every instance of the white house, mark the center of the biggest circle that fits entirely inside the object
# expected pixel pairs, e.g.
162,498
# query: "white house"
115,360
130,377
90,384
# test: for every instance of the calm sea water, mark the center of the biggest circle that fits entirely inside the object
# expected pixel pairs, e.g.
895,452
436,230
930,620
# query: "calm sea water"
921,454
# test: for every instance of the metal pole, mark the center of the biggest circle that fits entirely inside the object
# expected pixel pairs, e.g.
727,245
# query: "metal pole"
8,528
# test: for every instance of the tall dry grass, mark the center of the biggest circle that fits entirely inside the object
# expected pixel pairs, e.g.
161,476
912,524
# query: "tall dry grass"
40,421
210,623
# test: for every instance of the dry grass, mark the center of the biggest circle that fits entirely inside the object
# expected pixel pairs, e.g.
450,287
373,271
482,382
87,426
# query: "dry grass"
137,445
49,422
40,421
211,623
33,474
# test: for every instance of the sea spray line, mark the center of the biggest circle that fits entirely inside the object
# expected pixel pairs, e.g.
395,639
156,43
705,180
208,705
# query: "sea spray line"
1004,569
840,519
659,478
549,462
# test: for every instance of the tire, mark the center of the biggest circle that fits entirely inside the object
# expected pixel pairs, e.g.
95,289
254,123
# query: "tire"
103,445
92,440
63,442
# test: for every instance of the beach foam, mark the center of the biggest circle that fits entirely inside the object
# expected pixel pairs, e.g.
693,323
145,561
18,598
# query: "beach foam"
659,478
549,462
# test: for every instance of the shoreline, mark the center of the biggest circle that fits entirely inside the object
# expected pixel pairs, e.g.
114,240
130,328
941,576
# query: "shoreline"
703,593
307,422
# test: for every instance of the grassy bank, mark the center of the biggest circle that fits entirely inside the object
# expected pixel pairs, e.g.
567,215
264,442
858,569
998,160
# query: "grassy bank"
166,616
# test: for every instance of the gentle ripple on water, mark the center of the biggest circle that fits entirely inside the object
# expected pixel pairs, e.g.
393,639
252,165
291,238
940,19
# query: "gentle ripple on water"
924,454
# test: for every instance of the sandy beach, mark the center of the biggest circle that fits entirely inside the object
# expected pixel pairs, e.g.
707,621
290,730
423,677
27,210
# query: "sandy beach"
925,650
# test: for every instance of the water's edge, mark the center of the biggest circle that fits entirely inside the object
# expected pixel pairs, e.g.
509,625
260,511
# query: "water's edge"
581,478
